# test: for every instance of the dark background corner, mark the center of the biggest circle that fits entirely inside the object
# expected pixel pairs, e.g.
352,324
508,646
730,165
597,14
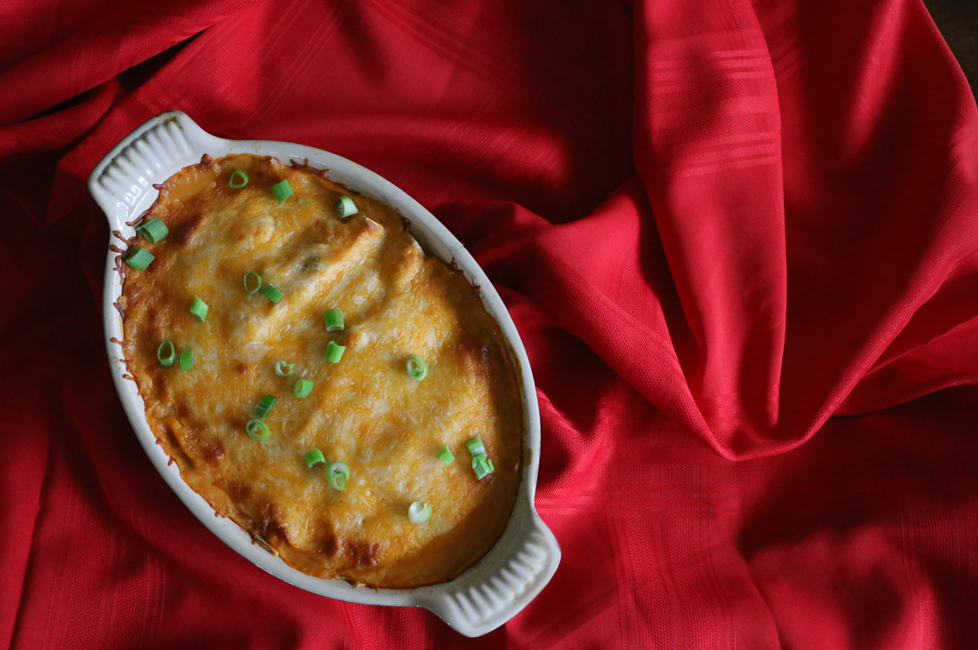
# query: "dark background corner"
958,21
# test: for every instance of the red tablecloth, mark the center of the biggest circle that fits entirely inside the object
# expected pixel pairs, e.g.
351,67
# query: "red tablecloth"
738,238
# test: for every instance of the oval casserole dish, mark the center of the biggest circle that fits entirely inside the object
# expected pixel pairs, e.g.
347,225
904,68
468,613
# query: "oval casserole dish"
525,557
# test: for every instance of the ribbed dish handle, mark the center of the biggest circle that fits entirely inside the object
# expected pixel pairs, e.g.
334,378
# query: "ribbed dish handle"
164,144
522,568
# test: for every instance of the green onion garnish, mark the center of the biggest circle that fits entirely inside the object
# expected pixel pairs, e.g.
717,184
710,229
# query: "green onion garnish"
337,475
256,430
255,279
238,179
445,455
187,360
481,468
345,207
334,352
199,309
334,320
166,353
416,367
282,190
475,446
271,293
264,406
284,368
139,258
302,387
314,457
419,512
153,231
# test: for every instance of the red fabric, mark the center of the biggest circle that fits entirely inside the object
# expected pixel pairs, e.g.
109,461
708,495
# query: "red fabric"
738,238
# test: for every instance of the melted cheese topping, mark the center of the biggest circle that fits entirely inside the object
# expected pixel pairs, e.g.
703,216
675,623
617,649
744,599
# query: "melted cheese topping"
365,410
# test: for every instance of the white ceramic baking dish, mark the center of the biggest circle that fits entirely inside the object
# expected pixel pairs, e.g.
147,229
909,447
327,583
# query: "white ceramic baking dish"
523,560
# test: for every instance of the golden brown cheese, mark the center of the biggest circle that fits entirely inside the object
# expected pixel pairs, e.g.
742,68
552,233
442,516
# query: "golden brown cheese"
365,410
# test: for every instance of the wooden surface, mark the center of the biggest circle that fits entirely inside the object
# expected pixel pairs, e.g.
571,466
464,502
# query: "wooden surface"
958,21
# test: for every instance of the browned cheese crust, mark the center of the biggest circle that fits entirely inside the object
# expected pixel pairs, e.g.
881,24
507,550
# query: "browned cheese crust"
365,410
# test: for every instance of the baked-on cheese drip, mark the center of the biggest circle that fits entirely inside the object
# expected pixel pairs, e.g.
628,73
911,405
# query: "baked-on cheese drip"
365,410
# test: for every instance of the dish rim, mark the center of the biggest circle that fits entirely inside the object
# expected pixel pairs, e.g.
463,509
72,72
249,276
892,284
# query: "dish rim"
520,564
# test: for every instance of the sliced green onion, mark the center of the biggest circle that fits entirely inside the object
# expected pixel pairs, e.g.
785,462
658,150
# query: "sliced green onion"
475,446
345,207
302,387
282,190
264,406
314,457
153,231
419,512
284,368
187,360
334,352
257,278
238,179
139,258
445,455
271,293
334,320
256,430
337,474
199,309
166,353
416,367
481,469
482,466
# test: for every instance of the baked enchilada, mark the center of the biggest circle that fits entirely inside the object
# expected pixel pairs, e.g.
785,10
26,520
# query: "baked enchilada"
317,378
